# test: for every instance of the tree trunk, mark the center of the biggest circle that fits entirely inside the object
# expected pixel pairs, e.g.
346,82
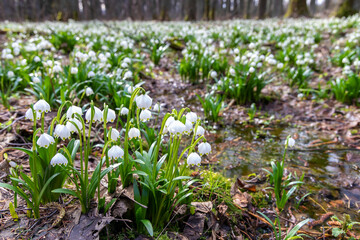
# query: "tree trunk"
262,9
345,9
327,4
248,9
297,8
191,10
278,8
206,13
313,7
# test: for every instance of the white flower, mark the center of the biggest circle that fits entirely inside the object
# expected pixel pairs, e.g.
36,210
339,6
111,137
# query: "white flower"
232,72
58,159
91,74
188,127
12,164
252,69
45,140
35,80
41,106
134,133
110,115
89,91
157,107
37,59
124,111
10,74
128,74
23,62
193,159
213,74
114,134
145,115
72,127
143,101
191,116
29,115
61,131
127,60
177,128
115,152
291,142
74,70
57,68
200,131
98,116
204,148
73,110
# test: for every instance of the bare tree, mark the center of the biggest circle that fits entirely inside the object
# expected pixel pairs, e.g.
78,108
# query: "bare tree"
346,8
278,8
297,8
262,9
313,7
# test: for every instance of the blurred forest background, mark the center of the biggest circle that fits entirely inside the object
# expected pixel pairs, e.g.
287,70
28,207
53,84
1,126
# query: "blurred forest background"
169,10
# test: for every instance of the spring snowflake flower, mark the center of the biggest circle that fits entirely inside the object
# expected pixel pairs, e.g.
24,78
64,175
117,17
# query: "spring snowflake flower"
57,68
124,111
200,131
192,117
91,74
110,115
41,106
72,127
157,107
12,164
291,142
193,159
36,80
29,115
251,70
45,140
134,133
145,115
128,75
98,116
62,132
10,74
73,110
58,159
177,128
143,101
115,152
188,127
232,72
89,91
114,134
213,74
204,148
74,70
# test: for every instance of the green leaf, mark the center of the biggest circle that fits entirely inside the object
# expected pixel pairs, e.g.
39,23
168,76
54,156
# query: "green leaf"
13,212
66,191
46,185
337,232
148,226
18,191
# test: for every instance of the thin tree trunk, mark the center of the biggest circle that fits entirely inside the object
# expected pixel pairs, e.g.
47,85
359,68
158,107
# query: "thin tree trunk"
248,9
345,9
262,9
297,8
313,7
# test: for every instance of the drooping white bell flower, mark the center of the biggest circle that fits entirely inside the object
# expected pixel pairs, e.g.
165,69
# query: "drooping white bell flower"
98,116
143,101
232,72
200,131
72,127
58,159
134,133
110,115
72,110
89,91
114,134
74,70
204,148
192,117
193,159
10,74
35,80
45,140
157,107
291,142
91,74
57,68
145,115
29,115
168,122
251,70
41,106
124,111
37,59
128,75
62,132
188,127
115,152
177,128
213,74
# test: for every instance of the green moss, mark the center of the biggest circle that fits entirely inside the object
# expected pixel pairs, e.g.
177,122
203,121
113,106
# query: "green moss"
259,199
345,9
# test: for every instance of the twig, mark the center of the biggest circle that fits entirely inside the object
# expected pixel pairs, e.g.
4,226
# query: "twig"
17,119
171,221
